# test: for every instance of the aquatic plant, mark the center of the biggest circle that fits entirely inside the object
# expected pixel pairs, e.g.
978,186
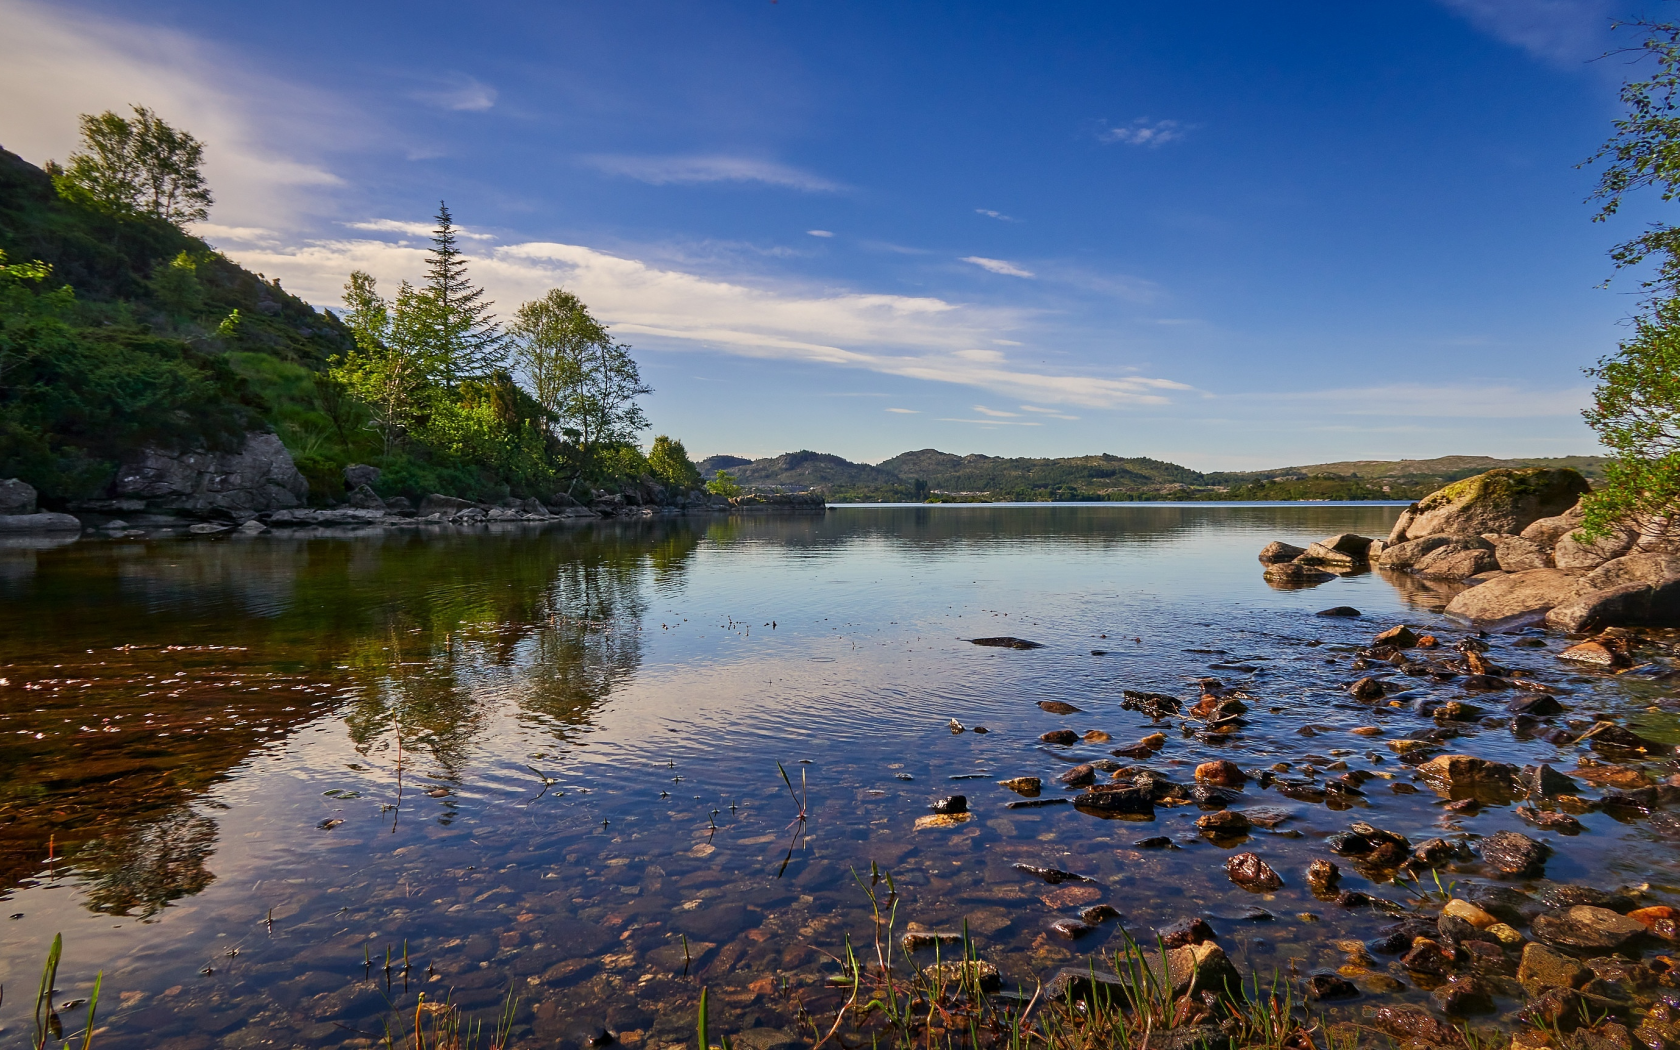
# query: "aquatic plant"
48,1025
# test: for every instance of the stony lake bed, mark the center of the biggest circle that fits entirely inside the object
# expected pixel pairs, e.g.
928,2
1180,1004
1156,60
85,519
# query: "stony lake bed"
240,770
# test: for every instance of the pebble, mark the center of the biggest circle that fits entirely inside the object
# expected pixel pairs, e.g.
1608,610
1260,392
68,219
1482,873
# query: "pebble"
1252,874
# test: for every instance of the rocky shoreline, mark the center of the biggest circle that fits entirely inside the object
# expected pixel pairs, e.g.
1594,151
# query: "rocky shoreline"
1512,540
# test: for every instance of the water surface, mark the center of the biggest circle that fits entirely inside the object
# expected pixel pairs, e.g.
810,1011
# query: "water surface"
240,770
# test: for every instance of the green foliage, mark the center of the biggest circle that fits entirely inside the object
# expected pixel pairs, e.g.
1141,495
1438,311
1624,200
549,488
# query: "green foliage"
175,285
140,166
668,460
458,328
724,485
1636,412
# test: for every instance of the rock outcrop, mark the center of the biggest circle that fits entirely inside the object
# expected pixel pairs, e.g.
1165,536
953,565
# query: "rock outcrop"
1501,501
1515,596
234,486
18,512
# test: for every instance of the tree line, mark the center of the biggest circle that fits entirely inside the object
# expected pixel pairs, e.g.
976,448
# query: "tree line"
427,382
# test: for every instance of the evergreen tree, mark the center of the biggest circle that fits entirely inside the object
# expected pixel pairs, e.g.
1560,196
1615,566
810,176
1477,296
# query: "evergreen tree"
466,338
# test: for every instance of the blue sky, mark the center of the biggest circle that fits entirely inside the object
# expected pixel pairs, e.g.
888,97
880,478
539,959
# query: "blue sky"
1231,235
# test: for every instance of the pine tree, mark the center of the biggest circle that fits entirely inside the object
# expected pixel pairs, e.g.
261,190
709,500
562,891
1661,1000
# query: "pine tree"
468,340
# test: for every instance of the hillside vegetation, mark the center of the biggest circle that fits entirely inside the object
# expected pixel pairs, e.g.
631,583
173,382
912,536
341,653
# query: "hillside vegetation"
929,474
121,331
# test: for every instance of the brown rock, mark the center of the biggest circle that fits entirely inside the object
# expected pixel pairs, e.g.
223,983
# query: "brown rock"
1223,772
1368,689
1402,556
1542,968
1295,574
1400,637
1572,551
1587,927
1467,772
1516,554
1197,968
1277,552
1096,736
1456,561
1028,786
1514,854
1079,776
1252,873
1223,823
1322,878
1595,654
1193,930
1060,736
1058,707
1407,1023
1500,501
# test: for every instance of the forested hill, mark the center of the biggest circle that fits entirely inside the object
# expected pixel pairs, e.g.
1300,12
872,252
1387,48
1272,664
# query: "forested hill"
943,476
159,340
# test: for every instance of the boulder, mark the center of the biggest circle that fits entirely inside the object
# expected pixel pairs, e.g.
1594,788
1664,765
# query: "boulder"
1628,604
1514,855
358,474
1585,927
16,497
1573,551
1464,773
1459,559
1501,500
1516,554
1529,593
448,506
1547,531
259,477
1294,574
1330,558
41,521
1405,555
1277,552
1197,968
365,498
1652,568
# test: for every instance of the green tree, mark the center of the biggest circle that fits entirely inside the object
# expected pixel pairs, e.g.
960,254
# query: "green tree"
176,285
669,461
139,165
1636,406
393,367
724,485
466,339
552,338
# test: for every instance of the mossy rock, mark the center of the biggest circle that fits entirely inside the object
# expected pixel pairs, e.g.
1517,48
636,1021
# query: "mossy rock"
1503,501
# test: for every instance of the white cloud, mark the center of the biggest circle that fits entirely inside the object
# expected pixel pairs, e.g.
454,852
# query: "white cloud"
995,413
989,422
220,235
460,93
915,337
997,266
56,63
663,171
905,411
1143,132
1047,411
1564,32
820,233
413,229
998,215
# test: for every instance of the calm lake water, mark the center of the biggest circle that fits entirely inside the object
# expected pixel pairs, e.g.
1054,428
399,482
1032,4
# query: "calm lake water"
238,771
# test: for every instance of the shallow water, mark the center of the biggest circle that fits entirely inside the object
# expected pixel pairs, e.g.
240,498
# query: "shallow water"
239,770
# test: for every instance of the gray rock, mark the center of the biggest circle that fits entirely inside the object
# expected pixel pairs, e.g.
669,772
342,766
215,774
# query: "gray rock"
1330,558
1458,560
365,498
1517,554
1406,554
534,508
1547,531
1500,501
1294,573
41,521
437,503
1573,552
16,497
1397,534
1519,594
1652,568
259,477
1278,552
1349,543
358,474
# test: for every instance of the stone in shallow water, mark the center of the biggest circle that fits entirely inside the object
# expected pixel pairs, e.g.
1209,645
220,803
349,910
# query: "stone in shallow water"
1464,994
1007,642
942,820
1587,927
1054,876
951,804
1193,930
1338,610
1028,786
1063,737
1542,968
1252,874
1329,986
1058,707
1514,855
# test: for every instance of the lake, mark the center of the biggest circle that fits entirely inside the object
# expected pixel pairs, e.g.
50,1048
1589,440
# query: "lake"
275,787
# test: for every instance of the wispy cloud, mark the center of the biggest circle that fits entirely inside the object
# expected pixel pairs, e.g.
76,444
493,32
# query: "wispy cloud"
998,215
820,233
459,93
924,337
665,171
1001,266
995,413
58,61
413,229
905,411
1053,413
1142,132
1563,32
990,422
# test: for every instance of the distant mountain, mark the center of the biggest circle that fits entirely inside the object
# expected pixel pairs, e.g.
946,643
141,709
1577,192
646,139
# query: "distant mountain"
812,470
931,474
712,464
